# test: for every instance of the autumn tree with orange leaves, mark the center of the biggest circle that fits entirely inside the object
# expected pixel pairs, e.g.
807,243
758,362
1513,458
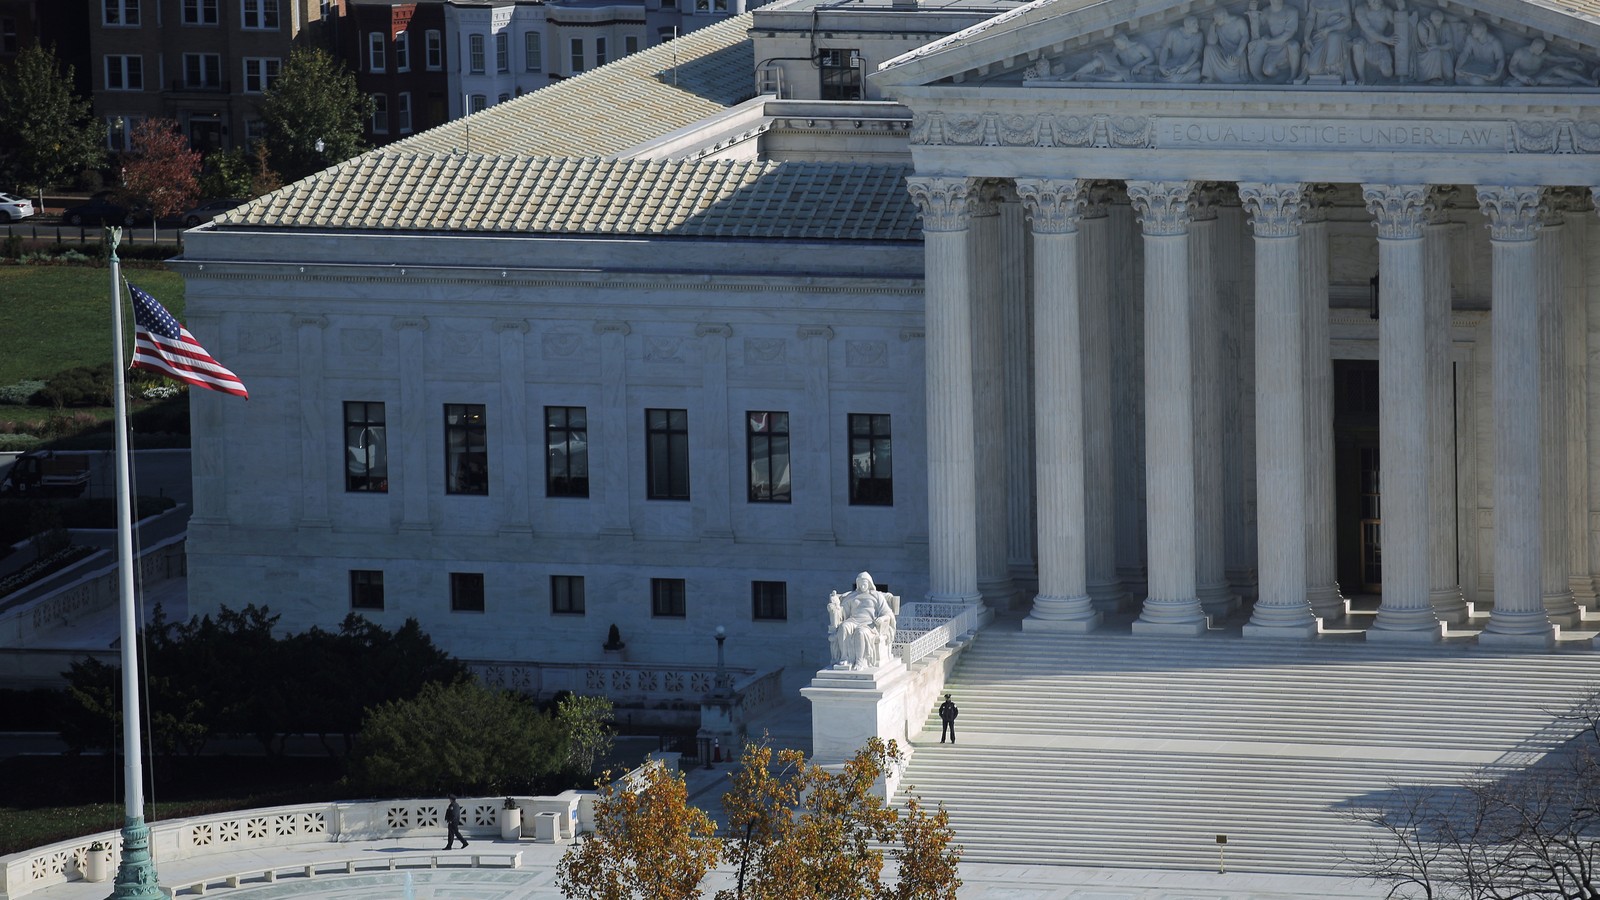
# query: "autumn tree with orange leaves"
648,842
161,173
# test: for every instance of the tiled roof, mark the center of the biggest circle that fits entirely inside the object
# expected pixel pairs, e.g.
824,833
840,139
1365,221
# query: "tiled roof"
606,110
519,194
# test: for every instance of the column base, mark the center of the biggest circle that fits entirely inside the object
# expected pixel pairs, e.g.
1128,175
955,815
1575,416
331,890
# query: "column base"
1000,593
1135,580
1537,640
1326,602
1245,582
1107,596
1583,592
1507,627
1561,609
1290,617
1397,619
1075,615
1304,631
1376,635
1218,599
1448,605
1168,629
1179,617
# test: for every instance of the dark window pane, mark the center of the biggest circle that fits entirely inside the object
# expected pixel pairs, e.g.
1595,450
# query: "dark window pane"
366,447
769,600
466,592
466,450
667,454
567,451
871,469
366,589
667,597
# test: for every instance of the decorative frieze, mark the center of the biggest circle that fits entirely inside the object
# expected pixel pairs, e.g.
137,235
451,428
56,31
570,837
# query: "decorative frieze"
1399,209
1513,211
1054,205
765,351
1038,130
1276,209
866,354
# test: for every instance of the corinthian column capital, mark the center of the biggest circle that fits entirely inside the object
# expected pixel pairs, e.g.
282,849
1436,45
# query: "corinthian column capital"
1513,210
1277,209
1054,205
945,202
1164,207
1400,210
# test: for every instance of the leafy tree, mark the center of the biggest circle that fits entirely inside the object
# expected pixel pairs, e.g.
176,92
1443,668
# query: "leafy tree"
587,722
648,843
238,173
314,98
161,173
459,737
47,133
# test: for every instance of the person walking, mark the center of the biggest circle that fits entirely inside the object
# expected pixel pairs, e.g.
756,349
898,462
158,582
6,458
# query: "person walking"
947,715
452,822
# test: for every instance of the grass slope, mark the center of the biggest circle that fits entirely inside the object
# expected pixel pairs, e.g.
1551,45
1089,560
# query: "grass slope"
58,317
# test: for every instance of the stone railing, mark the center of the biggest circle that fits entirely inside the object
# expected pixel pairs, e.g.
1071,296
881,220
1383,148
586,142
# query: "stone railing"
624,683
759,693
32,870
28,622
926,627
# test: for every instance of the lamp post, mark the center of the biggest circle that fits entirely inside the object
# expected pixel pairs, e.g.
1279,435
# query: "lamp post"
722,675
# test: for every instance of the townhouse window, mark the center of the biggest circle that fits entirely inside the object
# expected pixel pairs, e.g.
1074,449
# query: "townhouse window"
260,74
375,60
667,453
566,438
478,103
202,70
466,449
841,74
667,598
124,13
366,448
466,592
258,14
871,470
566,595
599,51
702,6
475,53
366,589
533,51
433,47
502,52
402,113
577,55
124,73
254,130
380,113
769,601
502,98
767,448
402,52
8,34
200,12
630,44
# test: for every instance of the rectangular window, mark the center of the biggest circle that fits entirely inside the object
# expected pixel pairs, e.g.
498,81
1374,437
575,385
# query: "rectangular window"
259,74
402,52
375,60
120,12
124,73
433,43
475,53
841,74
769,601
200,12
502,52
466,449
466,592
259,14
577,55
630,44
566,595
402,113
599,51
566,437
366,448
666,598
8,35
478,103
366,589
254,130
871,473
533,51
767,440
380,113
667,452
202,70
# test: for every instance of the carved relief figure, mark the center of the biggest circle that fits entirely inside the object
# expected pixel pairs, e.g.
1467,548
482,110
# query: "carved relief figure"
1436,61
1482,60
861,625
1327,28
1405,41
1181,50
1128,60
1274,54
1227,40
1375,44
1533,67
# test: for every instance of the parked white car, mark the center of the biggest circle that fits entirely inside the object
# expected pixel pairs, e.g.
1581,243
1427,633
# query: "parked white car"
13,209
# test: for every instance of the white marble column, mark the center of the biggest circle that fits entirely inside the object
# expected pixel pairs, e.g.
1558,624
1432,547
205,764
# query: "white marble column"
1558,602
1055,208
1125,262
1211,563
1575,250
1165,210
1237,252
1014,300
1322,564
988,397
1590,254
1099,460
1405,614
1281,608
1444,594
1519,615
952,511
511,450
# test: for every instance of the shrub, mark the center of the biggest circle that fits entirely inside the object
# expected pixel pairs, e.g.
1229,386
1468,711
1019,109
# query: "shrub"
79,386
12,443
21,393
13,247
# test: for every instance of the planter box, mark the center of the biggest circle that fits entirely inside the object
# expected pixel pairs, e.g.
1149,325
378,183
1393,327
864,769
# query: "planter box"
95,863
511,824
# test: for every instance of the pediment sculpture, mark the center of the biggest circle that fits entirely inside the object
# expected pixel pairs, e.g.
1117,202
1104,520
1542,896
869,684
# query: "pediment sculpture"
1319,42
861,625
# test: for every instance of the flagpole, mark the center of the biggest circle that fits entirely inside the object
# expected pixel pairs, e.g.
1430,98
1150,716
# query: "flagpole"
136,874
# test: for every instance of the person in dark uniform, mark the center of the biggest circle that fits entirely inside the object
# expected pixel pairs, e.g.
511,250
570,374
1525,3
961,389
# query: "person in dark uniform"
947,715
452,822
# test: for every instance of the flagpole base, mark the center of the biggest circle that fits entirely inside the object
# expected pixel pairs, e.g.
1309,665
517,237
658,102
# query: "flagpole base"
136,873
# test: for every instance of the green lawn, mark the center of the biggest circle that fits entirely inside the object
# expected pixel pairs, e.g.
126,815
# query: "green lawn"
58,317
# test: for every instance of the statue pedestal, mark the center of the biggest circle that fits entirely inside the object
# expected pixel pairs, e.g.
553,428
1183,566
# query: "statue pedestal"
847,707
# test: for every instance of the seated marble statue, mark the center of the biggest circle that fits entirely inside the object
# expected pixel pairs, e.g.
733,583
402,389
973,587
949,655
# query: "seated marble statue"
861,625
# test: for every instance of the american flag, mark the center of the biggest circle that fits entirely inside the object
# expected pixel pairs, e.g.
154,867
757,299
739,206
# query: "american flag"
162,345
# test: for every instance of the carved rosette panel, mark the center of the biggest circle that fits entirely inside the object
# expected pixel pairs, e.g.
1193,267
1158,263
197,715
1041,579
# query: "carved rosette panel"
1276,209
1399,210
361,341
1163,207
463,343
944,202
559,344
938,128
765,351
1513,211
867,354
1054,205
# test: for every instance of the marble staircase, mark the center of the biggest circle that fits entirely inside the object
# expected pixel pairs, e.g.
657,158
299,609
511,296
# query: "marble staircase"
1114,750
